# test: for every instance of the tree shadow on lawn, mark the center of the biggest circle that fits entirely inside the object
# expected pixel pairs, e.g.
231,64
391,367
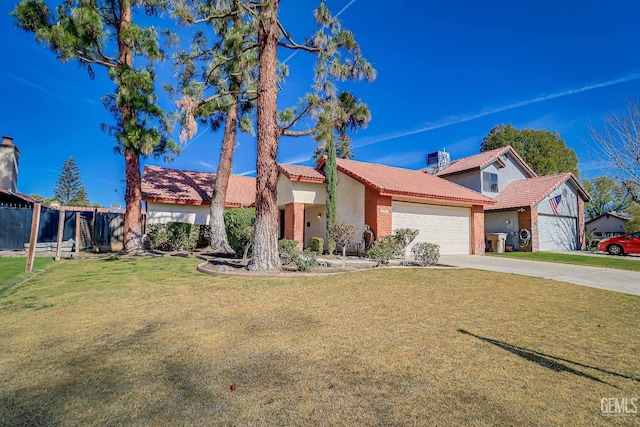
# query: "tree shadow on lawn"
93,388
550,362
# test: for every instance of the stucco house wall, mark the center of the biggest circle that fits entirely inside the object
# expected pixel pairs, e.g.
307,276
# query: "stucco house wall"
161,213
351,202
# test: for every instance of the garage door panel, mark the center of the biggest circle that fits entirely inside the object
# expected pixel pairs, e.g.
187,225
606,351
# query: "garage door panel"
450,227
557,233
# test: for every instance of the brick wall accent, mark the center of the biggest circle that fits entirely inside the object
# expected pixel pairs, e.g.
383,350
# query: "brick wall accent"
294,223
477,230
377,212
529,219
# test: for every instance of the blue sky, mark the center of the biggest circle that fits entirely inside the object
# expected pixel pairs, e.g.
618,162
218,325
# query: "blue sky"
447,73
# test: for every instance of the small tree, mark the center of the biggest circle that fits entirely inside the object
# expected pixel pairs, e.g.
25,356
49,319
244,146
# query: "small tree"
69,189
384,248
404,237
343,234
619,140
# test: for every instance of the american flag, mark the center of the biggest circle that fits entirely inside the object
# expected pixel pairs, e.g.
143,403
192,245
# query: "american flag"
556,204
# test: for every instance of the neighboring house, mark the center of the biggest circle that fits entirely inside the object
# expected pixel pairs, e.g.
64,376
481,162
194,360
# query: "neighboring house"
185,196
549,210
9,199
607,225
385,198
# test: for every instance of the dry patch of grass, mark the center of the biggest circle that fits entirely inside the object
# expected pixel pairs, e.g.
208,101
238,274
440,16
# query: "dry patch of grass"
150,341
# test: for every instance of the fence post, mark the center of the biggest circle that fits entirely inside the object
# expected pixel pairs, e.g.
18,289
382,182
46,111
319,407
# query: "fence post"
33,239
61,218
77,233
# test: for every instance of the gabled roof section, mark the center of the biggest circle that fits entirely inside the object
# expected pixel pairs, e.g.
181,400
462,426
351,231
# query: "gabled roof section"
613,214
481,160
301,173
18,198
164,185
526,193
391,181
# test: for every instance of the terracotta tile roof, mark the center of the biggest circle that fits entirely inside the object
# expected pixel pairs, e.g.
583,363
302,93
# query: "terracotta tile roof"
300,173
613,214
479,161
409,183
166,185
526,193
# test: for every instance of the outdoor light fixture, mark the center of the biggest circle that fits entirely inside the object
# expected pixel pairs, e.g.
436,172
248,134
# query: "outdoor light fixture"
319,215
508,222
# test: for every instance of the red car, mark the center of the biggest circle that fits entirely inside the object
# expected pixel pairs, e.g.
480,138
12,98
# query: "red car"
621,245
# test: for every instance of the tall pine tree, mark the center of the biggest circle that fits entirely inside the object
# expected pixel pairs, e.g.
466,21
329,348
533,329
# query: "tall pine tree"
101,33
217,86
338,58
69,189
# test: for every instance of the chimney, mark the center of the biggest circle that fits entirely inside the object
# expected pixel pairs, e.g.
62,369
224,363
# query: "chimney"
9,160
437,161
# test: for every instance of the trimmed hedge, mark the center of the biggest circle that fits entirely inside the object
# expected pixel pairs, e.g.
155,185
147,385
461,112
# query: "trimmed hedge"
315,244
177,236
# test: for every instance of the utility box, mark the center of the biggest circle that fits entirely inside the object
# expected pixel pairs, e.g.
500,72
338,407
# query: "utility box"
497,241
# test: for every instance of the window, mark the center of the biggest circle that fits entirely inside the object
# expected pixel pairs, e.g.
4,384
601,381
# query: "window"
490,182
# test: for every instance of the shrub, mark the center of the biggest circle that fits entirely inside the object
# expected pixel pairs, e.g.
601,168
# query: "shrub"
426,253
315,244
384,248
239,224
404,236
174,236
305,260
287,250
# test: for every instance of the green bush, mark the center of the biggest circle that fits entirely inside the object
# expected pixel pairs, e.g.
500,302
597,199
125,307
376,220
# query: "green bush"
426,253
384,248
306,260
287,250
315,244
239,224
175,236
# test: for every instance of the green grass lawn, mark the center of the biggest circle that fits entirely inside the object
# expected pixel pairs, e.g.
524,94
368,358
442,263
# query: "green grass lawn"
12,268
149,341
617,262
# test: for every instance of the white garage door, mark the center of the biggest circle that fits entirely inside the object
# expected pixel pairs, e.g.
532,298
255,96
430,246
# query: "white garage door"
450,227
557,233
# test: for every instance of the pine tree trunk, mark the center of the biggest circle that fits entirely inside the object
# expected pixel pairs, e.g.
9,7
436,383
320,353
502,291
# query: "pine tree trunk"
133,200
219,241
265,246
133,181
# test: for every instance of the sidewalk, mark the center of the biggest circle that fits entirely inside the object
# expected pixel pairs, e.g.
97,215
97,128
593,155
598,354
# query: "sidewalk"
595,277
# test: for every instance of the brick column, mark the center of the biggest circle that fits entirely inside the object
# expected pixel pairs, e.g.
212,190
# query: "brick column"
377,212
581,237
477,229
294,223
529,219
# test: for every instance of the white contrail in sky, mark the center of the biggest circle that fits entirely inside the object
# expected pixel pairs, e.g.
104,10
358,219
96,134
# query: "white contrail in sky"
454,120
335,16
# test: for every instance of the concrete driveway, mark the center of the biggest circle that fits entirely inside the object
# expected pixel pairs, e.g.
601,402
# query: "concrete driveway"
604,278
